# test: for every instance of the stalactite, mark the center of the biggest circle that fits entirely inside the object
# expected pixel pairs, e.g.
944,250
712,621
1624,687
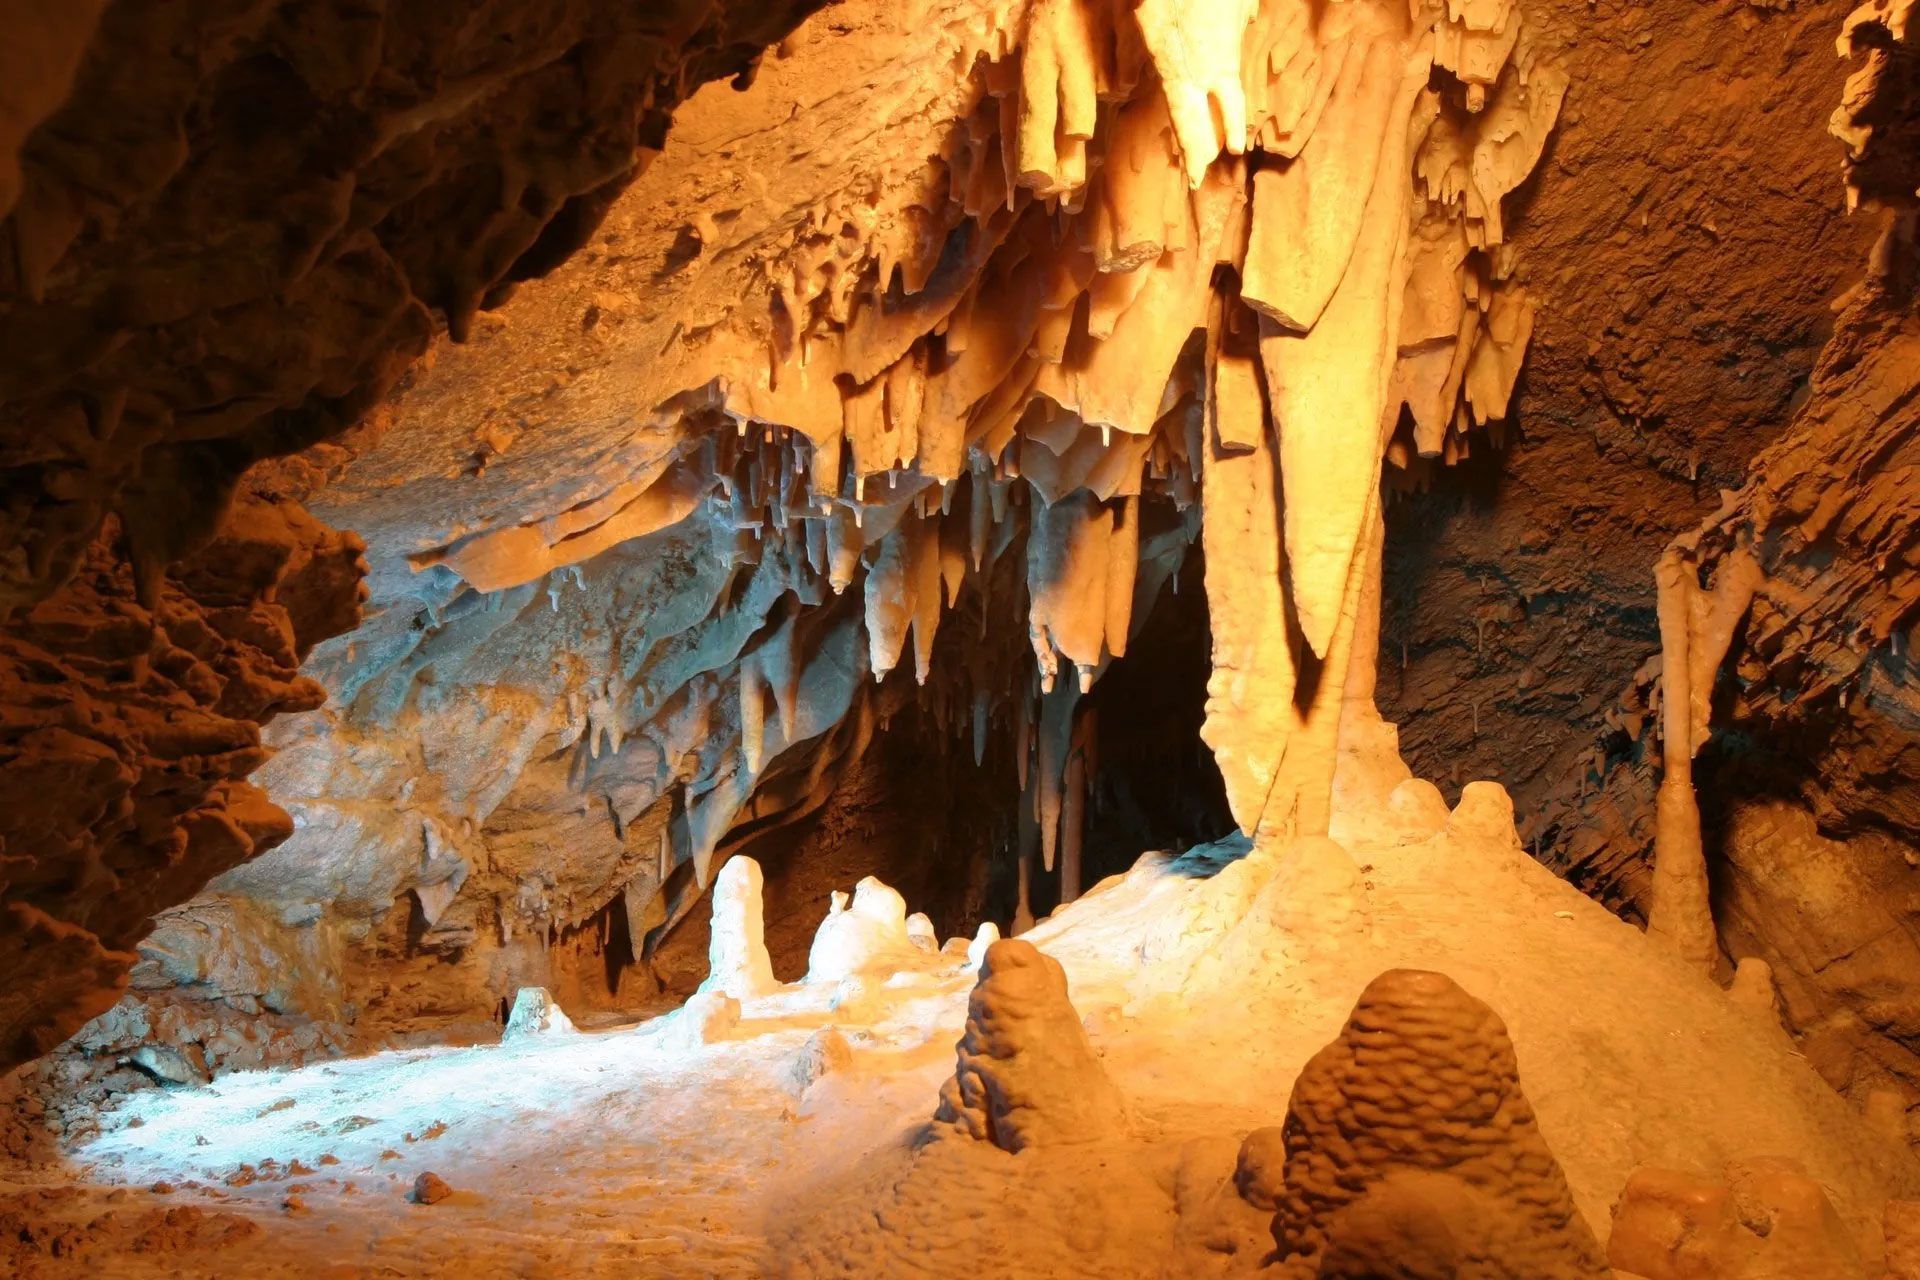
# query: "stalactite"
1222,254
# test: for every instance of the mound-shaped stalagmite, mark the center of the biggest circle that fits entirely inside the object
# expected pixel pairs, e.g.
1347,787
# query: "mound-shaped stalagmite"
1410,1150
1026,1073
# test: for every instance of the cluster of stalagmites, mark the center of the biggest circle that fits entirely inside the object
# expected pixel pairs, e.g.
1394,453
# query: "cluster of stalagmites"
1408,1149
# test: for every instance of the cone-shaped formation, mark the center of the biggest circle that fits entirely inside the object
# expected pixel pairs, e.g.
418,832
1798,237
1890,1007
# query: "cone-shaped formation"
535,1013
1412,1151
1026,1073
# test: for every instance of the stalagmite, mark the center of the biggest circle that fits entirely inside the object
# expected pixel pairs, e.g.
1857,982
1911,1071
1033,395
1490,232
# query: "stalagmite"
737,960
1411,1149
1026,1073
1695,629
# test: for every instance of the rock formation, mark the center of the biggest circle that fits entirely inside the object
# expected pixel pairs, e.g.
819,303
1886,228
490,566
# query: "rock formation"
1041,330
1805,792
1026,1074
229,231
1410,1150
1106,286
737,961
535,1013
1768,1219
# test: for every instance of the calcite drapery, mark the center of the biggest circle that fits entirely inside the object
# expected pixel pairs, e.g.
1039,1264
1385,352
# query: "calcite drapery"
1165,239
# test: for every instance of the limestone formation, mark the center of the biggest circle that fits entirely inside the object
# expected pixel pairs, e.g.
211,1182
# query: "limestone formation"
737,960
1767,1220
709,1017
1411,1150
1696,627
1026,1074
866,934
534,1014
825,1052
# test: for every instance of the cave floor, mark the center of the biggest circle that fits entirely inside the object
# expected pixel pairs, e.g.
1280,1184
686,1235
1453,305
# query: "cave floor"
1205,983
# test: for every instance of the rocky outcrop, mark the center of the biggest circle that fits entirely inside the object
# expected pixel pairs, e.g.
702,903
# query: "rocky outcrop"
1410,1150
128,728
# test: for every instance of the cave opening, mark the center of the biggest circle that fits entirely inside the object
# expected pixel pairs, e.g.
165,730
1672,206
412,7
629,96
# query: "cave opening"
1016,638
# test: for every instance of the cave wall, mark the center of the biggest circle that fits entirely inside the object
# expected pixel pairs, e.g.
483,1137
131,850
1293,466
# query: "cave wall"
1807,786
1688,235
227,228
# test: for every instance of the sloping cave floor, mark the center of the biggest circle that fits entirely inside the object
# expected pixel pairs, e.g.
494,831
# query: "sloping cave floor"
1205,983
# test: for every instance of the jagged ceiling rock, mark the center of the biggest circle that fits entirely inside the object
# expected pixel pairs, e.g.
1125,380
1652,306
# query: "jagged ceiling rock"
227,228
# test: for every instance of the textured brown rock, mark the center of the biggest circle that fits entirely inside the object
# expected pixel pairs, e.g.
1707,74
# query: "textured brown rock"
1027,1075
130,731
429,1188
1519,596
1767,1221
1412,1151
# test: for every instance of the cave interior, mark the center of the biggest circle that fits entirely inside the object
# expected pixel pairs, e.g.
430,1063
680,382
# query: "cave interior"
960,638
